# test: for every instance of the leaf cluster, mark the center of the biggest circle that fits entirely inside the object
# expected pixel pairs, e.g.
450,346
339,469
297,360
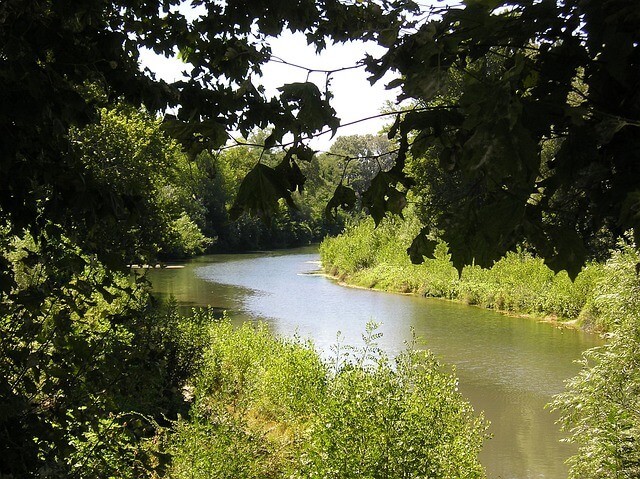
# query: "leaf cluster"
524,73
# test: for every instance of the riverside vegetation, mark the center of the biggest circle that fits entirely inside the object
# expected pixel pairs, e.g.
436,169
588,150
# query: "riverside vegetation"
520,283
105,382
103,165
96,374
270,407
600,409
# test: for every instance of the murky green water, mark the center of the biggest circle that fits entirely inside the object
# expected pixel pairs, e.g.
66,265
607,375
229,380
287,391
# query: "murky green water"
508,367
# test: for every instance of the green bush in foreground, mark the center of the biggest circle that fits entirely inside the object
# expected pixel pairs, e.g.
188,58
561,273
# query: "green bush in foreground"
601,405
91,369
270,407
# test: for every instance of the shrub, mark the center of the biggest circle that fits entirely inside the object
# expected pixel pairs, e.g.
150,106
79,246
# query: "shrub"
394,422
90,368
601,405
186,238
270,407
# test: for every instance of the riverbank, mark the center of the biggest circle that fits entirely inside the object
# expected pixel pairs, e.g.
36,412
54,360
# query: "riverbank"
519,284
347,282
510,369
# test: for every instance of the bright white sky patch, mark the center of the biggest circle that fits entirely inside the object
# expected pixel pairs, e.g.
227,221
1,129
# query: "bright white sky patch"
354,97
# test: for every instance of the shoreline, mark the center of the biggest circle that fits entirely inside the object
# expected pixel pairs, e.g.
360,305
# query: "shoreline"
550,319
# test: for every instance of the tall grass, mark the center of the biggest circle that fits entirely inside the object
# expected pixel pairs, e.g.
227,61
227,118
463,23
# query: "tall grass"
518,283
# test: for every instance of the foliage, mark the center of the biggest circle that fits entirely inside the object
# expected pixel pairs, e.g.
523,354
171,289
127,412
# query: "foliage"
403,419
84,356
189,239
519,282
493,81
290,225
362,157
89,367
142,173
600,408
525,73
81,57
269,407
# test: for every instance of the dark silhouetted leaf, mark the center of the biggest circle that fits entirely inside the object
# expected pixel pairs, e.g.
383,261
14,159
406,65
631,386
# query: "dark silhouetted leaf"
290,174
382,196
344,197
566,251
421,247
259,193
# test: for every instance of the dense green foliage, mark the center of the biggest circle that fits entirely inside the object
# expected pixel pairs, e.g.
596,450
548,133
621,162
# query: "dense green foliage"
289,226
269,407
601,407
520,282
89,369
172,207
149,182
88,185
496,82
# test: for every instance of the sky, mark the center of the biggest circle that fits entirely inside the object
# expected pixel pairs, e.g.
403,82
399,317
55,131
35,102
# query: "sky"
354,97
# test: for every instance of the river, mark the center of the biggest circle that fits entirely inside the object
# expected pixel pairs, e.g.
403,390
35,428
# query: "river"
508,367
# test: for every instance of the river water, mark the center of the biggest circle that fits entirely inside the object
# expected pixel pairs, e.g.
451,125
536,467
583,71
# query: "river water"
508,367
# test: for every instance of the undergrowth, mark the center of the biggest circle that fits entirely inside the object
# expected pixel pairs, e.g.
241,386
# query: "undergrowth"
269,407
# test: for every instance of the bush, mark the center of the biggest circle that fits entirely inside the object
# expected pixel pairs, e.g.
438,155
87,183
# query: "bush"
601,405
394,422
186,239
90,366
269,407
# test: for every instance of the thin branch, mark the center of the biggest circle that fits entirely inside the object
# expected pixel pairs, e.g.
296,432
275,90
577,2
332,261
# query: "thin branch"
277,59
239,143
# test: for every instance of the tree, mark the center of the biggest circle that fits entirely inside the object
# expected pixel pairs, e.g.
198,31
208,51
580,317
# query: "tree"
363,156
61,61
529,72
86,364
144,175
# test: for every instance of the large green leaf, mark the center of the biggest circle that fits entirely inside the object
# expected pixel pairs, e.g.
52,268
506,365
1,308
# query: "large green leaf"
382,196
310,112
565,251
421,247
290,174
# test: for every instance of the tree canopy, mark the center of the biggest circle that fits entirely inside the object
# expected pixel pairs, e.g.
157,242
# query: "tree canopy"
527,74
61,61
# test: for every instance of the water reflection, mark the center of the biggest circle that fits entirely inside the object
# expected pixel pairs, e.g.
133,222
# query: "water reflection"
508,367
